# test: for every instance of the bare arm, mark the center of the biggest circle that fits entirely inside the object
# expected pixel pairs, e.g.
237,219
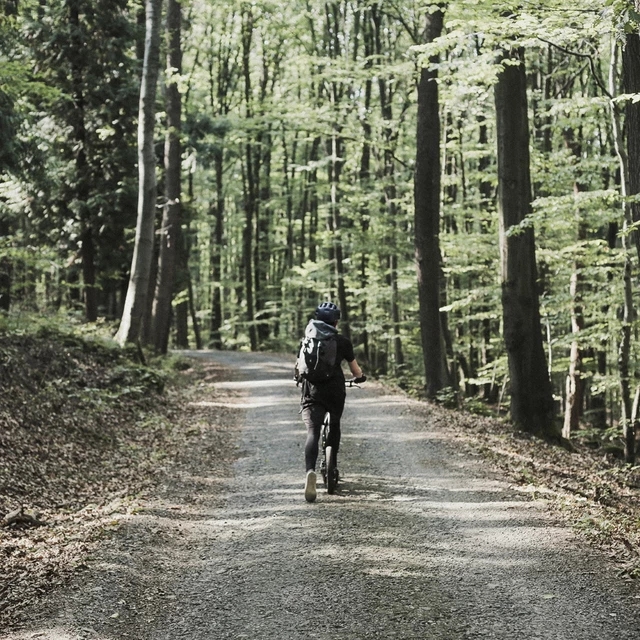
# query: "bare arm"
355,369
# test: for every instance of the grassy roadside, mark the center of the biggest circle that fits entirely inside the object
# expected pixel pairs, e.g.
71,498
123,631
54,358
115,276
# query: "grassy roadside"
85,435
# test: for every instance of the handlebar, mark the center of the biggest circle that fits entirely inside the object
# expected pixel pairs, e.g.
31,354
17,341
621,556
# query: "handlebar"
352,382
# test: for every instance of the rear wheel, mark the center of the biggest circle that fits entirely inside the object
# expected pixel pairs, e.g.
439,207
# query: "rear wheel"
332,472
324,434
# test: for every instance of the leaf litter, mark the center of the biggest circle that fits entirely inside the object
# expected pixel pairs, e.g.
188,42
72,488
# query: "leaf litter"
592,490
86,435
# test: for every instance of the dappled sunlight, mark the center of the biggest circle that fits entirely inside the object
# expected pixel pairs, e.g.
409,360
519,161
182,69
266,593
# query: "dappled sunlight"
238,404
252,384
394,436
377,401
408,521
58,633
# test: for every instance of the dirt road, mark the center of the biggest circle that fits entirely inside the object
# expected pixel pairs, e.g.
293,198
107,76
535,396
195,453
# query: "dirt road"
420,542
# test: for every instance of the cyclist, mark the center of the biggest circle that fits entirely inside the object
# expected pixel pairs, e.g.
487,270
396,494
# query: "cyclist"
322,397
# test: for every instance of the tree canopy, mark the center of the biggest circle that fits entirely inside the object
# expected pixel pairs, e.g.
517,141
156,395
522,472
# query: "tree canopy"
297,176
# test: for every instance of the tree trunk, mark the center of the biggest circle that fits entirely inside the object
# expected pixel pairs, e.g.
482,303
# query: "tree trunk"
313,200
631,77
182,324
251,188
390,191
627,417
575,382
262,251
135,303
216,310
193,312
81,167
531,398
364,180
170,229
6,271
89,274
335,224
427,215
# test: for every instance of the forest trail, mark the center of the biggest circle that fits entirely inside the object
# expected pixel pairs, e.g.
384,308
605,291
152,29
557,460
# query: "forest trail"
420,543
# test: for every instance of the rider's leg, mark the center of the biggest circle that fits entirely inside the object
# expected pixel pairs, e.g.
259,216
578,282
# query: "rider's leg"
334,432
313,417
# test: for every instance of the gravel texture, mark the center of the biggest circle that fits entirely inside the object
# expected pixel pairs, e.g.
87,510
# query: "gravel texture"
420,542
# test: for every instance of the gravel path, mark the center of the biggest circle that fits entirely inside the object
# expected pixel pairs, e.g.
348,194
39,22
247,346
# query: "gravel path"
419,543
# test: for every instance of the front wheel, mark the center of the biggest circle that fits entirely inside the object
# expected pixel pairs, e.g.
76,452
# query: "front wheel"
332,472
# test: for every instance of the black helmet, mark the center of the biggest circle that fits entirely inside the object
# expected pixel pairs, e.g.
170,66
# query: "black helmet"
328,312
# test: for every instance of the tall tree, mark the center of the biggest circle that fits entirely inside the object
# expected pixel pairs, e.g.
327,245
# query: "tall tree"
135,303
250,179
631,78
628,416
531,397
575,379
170,229
427,212
78,57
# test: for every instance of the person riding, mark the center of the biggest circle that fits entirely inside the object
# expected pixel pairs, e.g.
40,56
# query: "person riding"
328,395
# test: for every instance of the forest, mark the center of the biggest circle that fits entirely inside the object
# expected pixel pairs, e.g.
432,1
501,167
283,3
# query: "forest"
460,177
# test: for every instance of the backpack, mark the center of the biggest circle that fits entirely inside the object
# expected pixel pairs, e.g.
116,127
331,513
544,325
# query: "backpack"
318,353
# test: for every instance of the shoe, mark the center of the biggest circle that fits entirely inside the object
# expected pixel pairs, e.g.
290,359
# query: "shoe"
310,487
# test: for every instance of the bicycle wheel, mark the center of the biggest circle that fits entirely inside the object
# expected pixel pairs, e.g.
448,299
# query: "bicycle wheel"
324,434
332,472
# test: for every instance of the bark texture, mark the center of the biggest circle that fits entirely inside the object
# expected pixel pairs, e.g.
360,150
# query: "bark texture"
631,77
531,399
628,417
135,303
170,230
87,251
427,216
575,386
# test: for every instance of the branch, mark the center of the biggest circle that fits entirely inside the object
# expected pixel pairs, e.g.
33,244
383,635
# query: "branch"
397,15
577,54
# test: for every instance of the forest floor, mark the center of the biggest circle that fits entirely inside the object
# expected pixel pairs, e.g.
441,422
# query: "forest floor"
86,436
446,525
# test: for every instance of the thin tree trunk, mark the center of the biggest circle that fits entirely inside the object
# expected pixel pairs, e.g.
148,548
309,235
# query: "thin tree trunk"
389,188
170,229
182,324
135,302
219,88
631,77
313,200
427,214
575,382
6,271
193,312
251,178
261,253
365,177
335,170
216,311
181,291
627,417
82,185
288,198
531,398
485,187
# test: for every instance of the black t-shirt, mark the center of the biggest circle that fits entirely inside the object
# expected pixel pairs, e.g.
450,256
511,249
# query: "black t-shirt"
331,394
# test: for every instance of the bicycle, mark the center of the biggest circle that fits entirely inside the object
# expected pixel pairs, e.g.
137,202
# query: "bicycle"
328,469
